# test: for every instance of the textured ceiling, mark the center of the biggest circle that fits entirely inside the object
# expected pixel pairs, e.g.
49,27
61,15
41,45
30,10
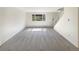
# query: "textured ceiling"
39,9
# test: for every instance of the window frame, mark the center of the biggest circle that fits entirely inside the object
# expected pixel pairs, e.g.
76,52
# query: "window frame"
38,17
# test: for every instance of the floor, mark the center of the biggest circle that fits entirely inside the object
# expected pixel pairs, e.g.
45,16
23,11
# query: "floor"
38,39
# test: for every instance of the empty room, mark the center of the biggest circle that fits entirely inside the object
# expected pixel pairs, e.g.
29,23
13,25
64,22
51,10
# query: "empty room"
39,29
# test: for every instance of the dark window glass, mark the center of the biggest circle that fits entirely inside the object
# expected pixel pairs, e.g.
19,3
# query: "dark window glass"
38,17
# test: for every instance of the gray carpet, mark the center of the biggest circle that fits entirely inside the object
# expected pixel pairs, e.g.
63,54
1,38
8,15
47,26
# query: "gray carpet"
45,40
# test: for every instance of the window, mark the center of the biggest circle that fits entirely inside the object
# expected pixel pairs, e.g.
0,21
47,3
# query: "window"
38,17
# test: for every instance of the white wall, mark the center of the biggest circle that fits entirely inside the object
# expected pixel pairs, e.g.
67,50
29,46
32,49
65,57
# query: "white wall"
78,26
12,20
2,11
69,29
48,22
